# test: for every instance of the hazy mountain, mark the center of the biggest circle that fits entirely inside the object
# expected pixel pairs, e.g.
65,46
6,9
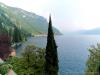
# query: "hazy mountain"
95,31
27,21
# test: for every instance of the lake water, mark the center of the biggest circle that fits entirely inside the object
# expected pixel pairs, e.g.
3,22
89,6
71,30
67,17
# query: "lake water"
72,50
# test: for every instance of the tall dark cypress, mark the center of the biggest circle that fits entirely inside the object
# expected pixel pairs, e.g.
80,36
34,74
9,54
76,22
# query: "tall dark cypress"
51,57
17,35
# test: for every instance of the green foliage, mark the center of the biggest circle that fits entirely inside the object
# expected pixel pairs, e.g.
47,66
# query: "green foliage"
51,57
30,63
4,68
15,62
93,63
33,60
17,35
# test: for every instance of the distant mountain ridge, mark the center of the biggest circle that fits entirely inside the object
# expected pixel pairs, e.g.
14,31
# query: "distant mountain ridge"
95,31
27,21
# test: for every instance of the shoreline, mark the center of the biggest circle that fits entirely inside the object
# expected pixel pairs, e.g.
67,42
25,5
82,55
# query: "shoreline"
41,35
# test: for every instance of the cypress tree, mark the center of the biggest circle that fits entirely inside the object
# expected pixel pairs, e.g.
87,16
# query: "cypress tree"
51,57
17,35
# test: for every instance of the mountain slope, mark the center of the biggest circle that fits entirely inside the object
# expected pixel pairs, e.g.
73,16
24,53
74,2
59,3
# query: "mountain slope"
95,31
27,21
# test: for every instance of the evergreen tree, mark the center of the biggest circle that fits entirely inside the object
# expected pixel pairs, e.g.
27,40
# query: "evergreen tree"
3,29
51,57
17,35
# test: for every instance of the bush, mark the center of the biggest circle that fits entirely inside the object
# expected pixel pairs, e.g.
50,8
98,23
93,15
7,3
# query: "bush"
93,63
30,63
4,68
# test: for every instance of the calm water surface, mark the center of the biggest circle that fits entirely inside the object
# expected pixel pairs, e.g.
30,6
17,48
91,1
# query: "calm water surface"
72,50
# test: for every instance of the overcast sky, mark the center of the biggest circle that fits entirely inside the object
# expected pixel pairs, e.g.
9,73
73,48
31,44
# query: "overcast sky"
67,15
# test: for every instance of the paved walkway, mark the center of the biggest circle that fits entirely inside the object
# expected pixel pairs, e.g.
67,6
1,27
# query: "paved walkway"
11,72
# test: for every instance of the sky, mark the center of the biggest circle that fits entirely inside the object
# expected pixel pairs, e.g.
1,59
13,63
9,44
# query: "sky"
67,15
